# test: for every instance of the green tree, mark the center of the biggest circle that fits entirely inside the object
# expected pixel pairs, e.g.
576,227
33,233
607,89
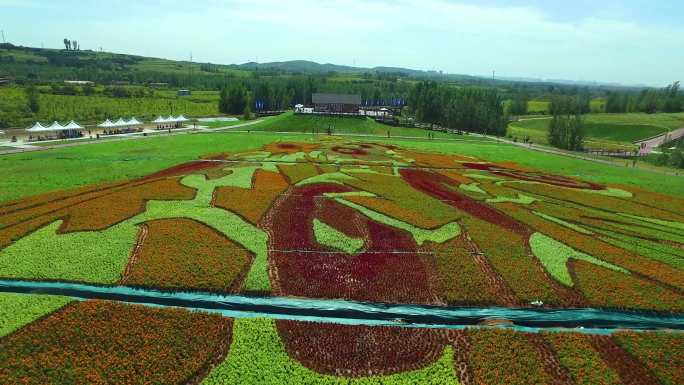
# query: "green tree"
33,99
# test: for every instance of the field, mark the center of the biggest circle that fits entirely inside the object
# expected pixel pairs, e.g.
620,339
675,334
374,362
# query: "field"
459,223
605,131
95,109
334,218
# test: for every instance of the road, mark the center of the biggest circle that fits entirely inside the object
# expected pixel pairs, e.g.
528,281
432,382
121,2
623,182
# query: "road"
647,146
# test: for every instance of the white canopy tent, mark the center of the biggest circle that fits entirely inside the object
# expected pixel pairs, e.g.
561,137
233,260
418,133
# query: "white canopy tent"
73,126
134,122
106,124
182,119
38,128
120,123
55,126
159,120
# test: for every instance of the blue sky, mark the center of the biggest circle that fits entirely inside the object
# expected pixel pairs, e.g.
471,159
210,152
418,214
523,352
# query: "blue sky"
628,41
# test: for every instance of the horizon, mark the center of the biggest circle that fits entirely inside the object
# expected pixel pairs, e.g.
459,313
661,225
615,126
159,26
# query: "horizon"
569,42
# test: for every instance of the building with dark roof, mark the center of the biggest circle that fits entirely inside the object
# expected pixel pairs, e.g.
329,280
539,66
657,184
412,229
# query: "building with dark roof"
336,103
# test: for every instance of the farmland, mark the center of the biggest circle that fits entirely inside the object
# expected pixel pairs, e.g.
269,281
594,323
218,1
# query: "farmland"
460,223
605,131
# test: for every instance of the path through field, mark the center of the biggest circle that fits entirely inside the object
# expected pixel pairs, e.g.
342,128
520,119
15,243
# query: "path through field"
647,146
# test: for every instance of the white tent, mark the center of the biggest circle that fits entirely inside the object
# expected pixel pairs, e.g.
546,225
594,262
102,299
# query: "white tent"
55,126
134,122
182,119
106,124
120,123
159,120
38,128
171,119
73,126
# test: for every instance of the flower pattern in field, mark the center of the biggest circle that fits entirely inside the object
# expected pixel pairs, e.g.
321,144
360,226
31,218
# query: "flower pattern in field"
364,221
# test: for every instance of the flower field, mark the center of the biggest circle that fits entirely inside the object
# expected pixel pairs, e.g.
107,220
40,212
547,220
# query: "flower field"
340,219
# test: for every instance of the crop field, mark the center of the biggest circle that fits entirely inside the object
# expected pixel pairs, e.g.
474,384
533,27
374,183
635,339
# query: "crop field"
605,131
340,219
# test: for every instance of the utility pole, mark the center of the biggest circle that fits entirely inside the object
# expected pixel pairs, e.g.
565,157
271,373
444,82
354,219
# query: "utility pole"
494,75
3,36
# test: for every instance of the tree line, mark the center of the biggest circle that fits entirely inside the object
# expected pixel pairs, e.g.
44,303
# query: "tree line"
668,99
470,109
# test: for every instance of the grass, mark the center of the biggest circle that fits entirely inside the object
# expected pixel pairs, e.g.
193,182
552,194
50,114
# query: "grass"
605,131
289,122
33,173
17,310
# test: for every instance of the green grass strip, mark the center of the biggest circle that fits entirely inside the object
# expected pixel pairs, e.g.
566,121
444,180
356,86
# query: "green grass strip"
611,192
483,176
555,256
18,310
473,187
440,235
257,356
563,223
330,177
521,200
328,236
91,256
660,222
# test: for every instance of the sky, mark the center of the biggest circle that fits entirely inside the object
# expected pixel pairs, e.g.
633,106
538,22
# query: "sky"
627,41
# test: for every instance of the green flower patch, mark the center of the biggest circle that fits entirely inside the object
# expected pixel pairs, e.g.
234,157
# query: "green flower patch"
555,255
328,236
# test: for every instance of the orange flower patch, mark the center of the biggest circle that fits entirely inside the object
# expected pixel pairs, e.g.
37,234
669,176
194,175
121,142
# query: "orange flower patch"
661,352
600,249
455,176
184,254
576,353
413,215
106,211
429,159
499,356
507,252
30,202
597,201
97,205
610,289
98,343
459,278
404,202
253,203
296,173
184,169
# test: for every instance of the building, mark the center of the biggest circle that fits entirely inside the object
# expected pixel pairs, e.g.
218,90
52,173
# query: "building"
184,92
4,81
336,103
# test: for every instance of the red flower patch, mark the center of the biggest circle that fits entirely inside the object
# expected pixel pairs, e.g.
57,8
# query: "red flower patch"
532,176
357,351
350,150
305,268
